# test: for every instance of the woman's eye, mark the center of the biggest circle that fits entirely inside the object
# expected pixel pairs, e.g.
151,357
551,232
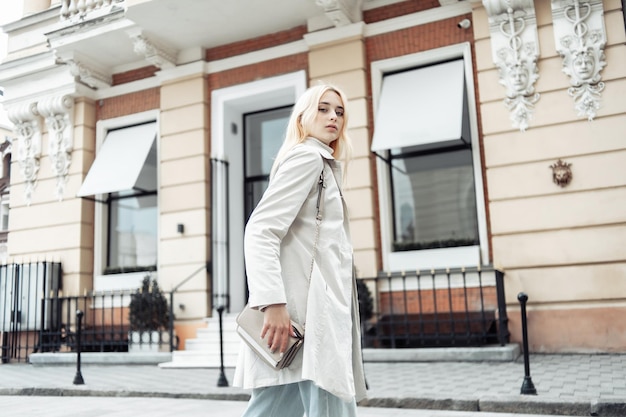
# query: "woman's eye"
339,113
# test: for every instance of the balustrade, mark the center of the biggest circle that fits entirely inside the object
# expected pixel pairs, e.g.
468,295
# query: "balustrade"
72,9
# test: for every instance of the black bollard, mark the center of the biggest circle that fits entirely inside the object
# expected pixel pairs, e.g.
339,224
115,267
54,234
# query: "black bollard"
78,378
528,388
222,381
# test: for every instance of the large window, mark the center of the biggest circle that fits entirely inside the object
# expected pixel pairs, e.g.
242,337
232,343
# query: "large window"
123,180
432,209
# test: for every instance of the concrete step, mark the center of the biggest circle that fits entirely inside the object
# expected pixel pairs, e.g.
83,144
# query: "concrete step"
204,350
214,334
204,345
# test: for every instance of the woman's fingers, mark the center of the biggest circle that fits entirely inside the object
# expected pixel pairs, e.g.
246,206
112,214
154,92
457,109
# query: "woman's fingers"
276,327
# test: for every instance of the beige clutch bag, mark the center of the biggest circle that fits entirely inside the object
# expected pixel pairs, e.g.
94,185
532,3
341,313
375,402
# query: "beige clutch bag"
249,326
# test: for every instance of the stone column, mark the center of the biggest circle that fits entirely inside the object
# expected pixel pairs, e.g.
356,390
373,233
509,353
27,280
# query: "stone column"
337,56
184,196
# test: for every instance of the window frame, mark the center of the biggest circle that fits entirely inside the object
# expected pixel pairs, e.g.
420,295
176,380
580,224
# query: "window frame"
104,282
464,256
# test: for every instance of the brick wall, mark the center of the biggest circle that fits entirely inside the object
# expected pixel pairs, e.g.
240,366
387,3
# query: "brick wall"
446,300
128,104
398,9
261,70
134,75
417,39
249,45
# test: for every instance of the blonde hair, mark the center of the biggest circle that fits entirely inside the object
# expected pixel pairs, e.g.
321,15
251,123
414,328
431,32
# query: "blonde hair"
302,118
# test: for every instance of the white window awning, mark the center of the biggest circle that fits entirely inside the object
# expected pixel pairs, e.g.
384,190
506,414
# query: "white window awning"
120,162
420,107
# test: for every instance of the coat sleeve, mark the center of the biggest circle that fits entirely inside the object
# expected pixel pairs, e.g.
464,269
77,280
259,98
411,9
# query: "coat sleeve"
295,179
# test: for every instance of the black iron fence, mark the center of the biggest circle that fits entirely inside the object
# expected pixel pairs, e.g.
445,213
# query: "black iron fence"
35,317
105,326
436,308
23,315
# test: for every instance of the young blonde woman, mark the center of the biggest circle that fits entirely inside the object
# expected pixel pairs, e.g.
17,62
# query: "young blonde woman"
300,270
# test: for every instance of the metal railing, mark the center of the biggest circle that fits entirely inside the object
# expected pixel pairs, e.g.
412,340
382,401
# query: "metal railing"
439,308
436,308
22,313
35,317
105,325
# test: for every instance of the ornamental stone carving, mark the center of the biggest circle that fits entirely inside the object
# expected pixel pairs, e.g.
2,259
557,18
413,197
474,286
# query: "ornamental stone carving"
58,114
580,39
341,12
75,10
157,54
84,71
561,173
515,49
25,119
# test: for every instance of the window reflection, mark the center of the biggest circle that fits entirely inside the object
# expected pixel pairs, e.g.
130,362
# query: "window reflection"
132,232
434,201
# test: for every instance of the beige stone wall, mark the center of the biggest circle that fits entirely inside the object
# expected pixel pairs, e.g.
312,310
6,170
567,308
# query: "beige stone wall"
564,247
184,194
342,62
52,230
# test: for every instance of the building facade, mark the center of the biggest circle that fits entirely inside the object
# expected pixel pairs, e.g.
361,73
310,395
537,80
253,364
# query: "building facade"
485,134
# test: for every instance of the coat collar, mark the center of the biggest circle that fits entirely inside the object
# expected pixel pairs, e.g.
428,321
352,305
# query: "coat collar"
325,150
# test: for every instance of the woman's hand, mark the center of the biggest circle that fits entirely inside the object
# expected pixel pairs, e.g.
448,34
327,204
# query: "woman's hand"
277,327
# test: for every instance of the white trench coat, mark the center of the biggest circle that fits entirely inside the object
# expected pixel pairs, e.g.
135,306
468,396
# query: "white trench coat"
279,241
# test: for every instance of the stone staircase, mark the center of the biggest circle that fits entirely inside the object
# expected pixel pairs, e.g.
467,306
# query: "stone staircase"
204,350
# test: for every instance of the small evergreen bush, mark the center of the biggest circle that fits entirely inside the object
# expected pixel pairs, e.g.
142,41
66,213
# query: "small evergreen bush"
148,307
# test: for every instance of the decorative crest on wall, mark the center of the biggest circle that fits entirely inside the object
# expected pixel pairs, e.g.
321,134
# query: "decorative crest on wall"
515,49
58,114
25,119
580,38
561,173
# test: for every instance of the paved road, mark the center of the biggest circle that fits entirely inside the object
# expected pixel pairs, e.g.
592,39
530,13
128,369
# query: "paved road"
22,406
567,385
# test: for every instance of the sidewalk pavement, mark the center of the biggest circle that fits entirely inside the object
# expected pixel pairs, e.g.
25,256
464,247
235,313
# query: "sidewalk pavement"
566,384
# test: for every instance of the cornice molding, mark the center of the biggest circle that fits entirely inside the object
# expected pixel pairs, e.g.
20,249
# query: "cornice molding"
93,75
335,35
156,53
85,71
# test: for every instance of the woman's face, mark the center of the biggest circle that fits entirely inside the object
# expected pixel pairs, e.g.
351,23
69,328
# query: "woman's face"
328,123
